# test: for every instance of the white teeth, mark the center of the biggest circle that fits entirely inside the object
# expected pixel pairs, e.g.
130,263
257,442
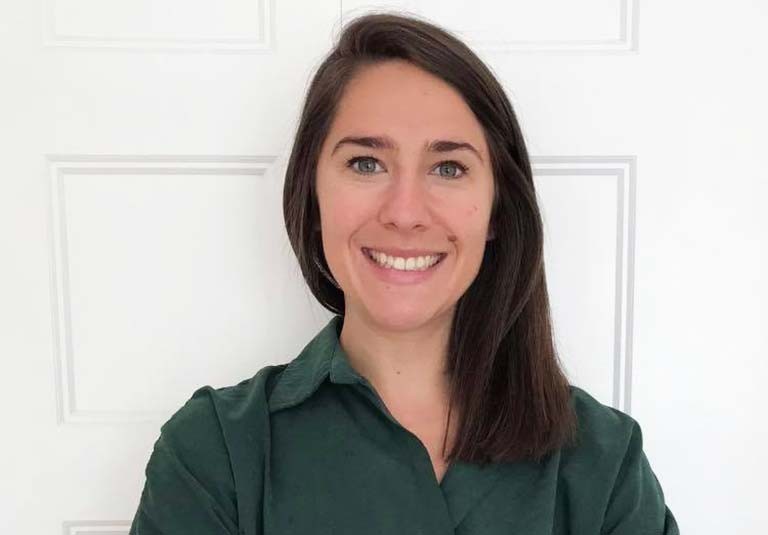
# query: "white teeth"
418,263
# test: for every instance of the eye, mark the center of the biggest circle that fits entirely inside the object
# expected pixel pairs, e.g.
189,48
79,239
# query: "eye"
453,164
370,162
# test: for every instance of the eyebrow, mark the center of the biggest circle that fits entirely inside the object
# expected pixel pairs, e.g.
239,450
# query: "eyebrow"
384,142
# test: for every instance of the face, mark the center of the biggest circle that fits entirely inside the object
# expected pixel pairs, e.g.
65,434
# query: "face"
405,171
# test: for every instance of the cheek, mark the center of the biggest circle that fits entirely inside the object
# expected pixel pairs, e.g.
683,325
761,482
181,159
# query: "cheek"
341,215
472,214
472,226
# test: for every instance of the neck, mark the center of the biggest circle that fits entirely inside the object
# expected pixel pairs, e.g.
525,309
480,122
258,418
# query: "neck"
406,367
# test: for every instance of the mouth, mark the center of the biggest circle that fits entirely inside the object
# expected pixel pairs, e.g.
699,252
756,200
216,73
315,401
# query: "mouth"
426,262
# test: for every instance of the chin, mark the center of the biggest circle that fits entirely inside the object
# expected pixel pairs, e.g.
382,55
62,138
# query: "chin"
401,318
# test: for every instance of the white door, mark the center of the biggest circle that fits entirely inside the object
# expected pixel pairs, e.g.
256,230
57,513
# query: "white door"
144,253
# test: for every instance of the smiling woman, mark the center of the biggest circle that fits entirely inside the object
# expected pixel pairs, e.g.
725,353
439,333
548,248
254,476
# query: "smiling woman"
433,401
403,205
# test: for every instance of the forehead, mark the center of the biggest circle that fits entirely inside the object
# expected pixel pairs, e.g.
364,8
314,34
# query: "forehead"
402,101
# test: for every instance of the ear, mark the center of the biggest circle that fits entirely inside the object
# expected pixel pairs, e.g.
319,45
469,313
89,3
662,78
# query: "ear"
491,234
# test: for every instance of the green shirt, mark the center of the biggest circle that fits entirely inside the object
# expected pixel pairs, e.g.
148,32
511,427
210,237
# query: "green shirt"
308,447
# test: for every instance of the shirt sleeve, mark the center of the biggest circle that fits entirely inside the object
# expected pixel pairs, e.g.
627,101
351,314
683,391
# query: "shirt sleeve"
189,487
636,505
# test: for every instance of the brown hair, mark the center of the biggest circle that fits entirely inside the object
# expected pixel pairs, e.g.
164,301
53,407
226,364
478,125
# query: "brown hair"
505,374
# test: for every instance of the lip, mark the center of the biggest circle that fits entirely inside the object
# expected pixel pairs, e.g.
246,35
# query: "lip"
394,276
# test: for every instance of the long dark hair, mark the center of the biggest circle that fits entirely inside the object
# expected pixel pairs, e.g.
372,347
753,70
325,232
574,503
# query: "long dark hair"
505,374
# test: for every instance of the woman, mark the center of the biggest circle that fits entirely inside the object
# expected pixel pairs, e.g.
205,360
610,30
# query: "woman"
433,402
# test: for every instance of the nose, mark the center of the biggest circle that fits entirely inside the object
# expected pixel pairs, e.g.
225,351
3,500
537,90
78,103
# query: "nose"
405,205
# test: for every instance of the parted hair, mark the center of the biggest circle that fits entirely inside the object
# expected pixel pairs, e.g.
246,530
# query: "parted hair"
505,374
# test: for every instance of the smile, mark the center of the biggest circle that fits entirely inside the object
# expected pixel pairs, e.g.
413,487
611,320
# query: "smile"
398,263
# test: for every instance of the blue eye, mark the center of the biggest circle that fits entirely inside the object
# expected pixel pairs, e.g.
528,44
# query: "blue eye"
368,169
370,166
457,165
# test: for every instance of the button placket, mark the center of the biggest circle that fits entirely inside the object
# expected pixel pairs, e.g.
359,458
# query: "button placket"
417,455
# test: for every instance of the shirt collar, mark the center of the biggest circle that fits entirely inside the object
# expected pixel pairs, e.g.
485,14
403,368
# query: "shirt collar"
463,486
323,357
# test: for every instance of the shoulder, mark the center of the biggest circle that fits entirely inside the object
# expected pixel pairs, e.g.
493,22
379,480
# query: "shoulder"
206,459
212,412
216,433
605,434
598,419
611,471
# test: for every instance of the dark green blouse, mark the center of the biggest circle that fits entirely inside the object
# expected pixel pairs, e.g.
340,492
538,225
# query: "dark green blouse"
308,447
